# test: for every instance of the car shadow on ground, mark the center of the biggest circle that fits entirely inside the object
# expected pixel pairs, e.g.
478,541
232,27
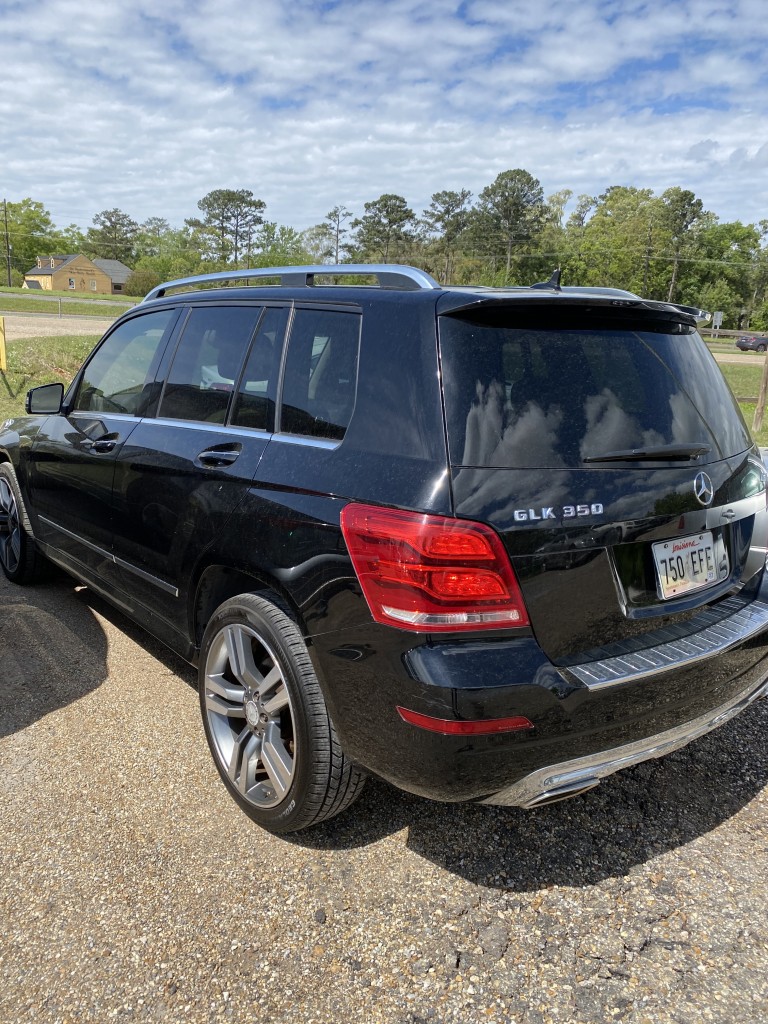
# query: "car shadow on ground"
54,651
629,819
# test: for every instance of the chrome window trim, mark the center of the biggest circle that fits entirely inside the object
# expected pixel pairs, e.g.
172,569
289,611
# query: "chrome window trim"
218,428
307,441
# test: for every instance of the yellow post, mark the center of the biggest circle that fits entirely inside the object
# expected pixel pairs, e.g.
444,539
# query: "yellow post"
3,359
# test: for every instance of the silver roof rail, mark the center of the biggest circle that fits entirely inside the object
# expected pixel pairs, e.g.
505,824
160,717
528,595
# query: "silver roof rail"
390,275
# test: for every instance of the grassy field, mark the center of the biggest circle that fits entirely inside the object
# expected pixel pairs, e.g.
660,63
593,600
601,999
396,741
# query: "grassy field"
22,300
34,361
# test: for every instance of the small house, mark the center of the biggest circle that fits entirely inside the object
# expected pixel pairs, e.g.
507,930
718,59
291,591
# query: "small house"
77,273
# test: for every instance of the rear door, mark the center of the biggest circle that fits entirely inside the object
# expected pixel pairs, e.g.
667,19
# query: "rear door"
73,459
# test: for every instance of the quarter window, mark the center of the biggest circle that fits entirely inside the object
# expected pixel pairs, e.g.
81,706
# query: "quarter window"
118,377
320,373
255,401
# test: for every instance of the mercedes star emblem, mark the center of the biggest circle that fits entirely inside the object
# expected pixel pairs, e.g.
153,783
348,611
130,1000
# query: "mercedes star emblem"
703,489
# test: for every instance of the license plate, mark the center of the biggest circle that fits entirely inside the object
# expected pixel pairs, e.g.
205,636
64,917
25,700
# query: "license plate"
686,564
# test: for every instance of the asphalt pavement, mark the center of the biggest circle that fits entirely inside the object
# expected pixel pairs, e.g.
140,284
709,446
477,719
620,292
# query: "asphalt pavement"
132,888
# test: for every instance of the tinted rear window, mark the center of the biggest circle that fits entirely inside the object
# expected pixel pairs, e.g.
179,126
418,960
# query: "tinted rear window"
549,396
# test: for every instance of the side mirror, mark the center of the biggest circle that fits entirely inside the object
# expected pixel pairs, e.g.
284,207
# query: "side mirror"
45,399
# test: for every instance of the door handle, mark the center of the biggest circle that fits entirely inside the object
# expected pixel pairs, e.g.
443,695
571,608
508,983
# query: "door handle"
218,456
103,446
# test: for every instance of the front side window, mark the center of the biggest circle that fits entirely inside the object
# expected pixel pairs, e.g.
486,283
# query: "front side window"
118,377
207,362
320,377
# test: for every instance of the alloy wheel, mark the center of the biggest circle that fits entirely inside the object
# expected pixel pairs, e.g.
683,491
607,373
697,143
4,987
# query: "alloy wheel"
10,528
250,715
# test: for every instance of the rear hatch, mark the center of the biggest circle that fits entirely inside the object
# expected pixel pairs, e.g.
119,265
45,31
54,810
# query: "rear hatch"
601,441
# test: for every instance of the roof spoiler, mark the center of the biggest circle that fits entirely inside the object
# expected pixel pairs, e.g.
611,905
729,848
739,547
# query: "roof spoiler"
701,316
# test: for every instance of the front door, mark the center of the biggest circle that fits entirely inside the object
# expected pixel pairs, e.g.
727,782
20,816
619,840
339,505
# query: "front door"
73,458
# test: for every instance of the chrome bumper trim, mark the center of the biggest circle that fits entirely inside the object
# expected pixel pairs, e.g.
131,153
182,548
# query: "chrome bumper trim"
556,782
714,631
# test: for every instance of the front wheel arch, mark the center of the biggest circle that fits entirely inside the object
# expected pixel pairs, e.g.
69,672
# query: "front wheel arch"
20,560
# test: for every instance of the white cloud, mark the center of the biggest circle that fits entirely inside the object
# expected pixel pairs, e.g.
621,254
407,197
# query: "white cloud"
312,105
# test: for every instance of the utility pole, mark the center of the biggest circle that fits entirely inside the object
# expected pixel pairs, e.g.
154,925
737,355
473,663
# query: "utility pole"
7,242
648,250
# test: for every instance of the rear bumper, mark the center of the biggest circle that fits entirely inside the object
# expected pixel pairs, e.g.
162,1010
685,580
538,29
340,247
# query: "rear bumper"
556,782
717,631
590,719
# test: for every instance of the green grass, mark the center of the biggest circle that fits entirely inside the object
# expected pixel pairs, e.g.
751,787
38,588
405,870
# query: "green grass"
744,381
80,307
33,361
28,293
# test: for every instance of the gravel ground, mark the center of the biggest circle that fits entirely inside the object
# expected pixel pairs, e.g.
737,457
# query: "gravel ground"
132,889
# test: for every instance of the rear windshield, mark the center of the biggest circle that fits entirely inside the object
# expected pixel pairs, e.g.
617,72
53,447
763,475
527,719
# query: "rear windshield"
557,393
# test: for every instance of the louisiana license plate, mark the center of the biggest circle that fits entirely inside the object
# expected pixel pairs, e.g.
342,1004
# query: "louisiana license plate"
686,564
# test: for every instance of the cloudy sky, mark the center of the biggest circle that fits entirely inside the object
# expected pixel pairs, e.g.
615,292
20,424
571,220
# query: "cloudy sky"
150,104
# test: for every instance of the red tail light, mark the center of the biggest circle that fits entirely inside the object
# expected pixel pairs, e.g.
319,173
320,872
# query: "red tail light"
430,573
474,727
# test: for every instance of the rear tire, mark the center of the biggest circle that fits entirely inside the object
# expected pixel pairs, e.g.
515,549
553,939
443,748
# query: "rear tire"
761,348
19,558
266,721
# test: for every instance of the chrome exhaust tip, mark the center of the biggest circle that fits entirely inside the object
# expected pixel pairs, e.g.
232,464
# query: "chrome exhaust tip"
554,796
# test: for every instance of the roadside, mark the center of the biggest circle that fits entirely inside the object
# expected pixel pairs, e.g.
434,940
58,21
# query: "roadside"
20,325
132,888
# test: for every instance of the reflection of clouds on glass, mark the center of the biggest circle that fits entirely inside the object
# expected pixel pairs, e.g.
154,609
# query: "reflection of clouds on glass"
497,436
610,428
497,494
686,422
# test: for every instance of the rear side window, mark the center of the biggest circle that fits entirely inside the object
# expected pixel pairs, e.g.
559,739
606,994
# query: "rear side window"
119,377
538,397
320,376
207,362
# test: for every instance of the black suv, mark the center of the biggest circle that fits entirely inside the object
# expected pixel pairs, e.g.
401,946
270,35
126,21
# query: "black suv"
488,544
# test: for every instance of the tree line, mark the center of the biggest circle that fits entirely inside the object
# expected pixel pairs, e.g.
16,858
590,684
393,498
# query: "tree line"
663,246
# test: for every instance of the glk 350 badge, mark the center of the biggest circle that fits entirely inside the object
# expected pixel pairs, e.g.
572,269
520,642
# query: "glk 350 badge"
530,515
